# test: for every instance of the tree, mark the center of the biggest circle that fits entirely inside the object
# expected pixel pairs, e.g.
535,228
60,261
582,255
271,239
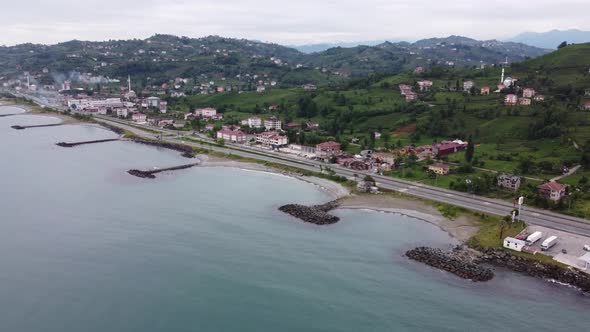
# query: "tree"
562,45
470,150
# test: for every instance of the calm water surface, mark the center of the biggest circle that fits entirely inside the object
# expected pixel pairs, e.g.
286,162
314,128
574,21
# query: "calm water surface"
86,247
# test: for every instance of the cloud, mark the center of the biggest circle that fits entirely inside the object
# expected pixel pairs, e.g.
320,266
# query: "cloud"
287,22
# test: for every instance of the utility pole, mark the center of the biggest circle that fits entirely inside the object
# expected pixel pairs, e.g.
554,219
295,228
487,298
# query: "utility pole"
520,202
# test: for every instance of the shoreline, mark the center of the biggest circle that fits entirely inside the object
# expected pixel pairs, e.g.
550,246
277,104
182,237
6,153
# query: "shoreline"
459,229
335,190
36,110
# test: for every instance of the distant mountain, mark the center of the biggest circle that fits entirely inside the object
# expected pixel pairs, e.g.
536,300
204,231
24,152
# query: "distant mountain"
391,58
315,48
551,39
161,58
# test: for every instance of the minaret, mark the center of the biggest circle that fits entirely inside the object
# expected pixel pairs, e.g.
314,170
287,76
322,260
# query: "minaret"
502,78
28,82
129,83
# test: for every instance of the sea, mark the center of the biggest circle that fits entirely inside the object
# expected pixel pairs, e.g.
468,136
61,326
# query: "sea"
84,246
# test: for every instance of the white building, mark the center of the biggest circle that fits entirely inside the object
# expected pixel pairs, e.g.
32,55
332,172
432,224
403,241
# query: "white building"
153,102
514,244
252,122
467,85
273,123
271,138
122,112
139,117
234,136
207,112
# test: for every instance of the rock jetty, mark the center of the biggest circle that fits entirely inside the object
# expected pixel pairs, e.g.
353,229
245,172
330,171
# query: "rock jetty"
70,145
150,174
187,151
18,127
452,261
315,214
534,268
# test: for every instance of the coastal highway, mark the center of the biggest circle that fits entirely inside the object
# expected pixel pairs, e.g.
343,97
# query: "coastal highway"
530,215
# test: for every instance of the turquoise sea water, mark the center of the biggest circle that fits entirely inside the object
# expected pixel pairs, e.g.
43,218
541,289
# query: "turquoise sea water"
86,247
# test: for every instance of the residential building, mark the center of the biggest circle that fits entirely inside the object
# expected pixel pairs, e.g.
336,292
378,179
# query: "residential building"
508,181
273,123
411,96
511,99
446,147
153,102
139,117
252,122
293,125
552,190
312,125
260,89
234,136
328,149
271,138
528,93
485,90
310,87
467,85
163,107
440,169
539,97
122,112
418,70
587,106
425,85
179,124
524,101
207,112
404,88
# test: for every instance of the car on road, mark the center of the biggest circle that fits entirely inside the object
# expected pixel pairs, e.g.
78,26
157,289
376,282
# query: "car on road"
587,247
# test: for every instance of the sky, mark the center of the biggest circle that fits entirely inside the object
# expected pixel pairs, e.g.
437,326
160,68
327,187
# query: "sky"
285,22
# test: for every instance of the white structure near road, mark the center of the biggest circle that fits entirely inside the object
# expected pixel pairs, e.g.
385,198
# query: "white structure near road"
585,260
514,244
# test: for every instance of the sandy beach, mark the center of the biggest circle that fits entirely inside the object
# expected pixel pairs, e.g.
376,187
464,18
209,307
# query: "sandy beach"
332,188
35,110
460,228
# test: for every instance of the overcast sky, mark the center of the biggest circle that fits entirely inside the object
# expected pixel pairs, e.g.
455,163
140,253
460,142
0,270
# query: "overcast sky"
285,22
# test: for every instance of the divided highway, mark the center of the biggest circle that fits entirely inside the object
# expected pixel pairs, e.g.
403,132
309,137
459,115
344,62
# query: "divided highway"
530,215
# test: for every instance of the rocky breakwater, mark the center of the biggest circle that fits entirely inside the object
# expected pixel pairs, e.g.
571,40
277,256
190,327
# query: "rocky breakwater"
187,151
534,268
457,261
150,174
315,214
71,145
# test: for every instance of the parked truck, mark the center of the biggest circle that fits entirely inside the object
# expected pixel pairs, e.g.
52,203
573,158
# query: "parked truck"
536,236
548,243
